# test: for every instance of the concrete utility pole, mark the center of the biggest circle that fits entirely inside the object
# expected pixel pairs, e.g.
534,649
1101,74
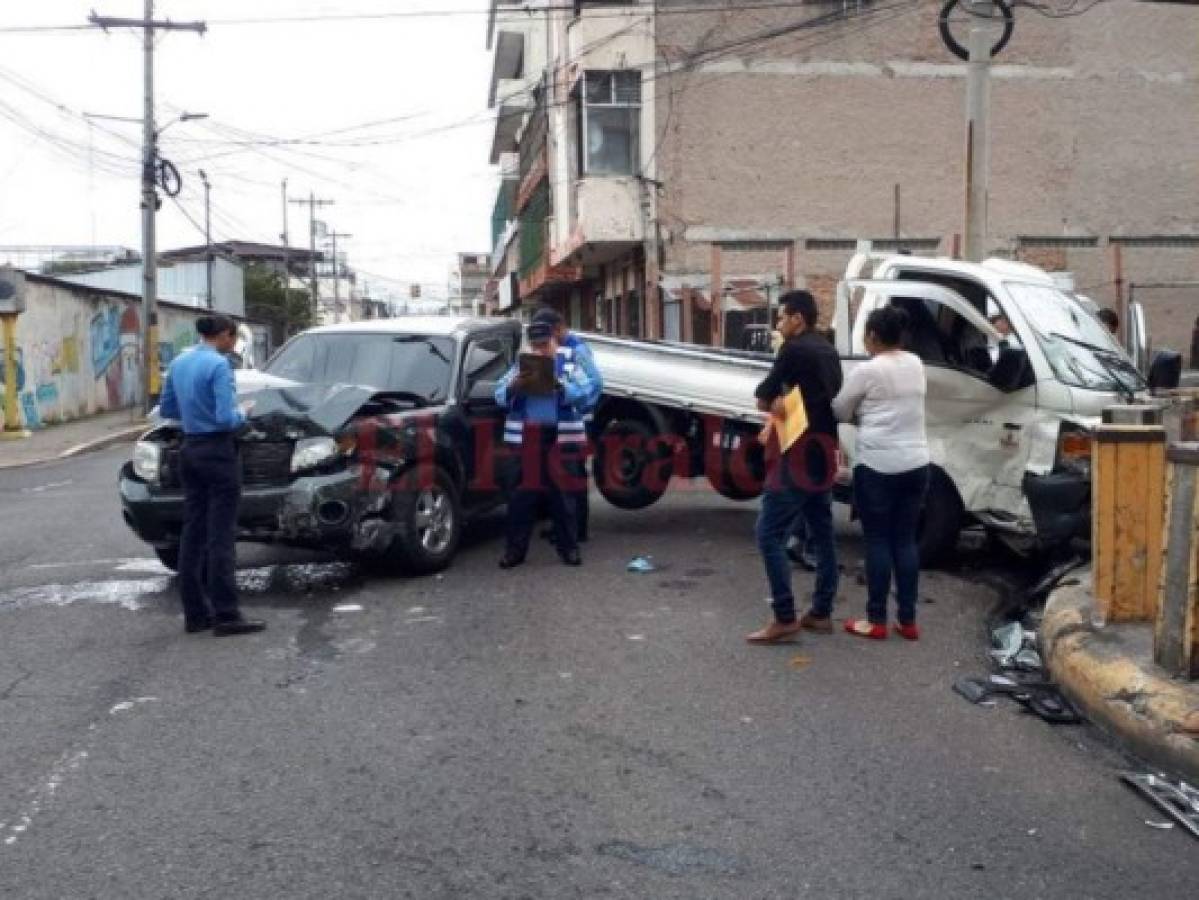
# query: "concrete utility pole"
333,236
286,246
149,26
207,238
312,203
651,321
978,126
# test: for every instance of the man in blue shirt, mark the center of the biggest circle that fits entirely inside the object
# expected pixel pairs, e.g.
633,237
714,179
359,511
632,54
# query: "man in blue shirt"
547,439
200,392
577,355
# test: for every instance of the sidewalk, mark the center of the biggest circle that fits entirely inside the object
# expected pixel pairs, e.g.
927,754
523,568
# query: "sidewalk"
1109,672
71,438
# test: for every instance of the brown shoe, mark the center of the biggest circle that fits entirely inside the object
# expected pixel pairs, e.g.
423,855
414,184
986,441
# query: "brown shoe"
818,624
775,633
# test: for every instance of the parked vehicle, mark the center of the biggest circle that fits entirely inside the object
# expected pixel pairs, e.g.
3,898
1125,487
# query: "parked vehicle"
364,439
1009,423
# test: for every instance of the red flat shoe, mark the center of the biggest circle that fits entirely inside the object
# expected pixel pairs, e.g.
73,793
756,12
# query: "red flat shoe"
910,632
862,628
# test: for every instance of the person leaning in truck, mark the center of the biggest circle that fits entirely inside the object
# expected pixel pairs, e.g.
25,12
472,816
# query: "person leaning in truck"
1110,320
546,430
575,353
799,482
885,398
200,391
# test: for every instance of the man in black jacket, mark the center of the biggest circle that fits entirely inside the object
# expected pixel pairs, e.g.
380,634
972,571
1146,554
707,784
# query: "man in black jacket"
799,481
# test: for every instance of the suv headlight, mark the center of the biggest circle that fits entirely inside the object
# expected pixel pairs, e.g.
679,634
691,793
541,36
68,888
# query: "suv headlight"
147,461
311,453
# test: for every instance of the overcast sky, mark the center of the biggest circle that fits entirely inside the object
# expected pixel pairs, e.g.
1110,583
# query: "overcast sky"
422,192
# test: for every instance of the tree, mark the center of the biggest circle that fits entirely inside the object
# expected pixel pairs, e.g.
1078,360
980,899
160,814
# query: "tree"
268,300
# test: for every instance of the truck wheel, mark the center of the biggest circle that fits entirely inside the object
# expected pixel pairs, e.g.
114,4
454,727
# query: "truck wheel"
624,459
428,521
940,523
746,485
168,556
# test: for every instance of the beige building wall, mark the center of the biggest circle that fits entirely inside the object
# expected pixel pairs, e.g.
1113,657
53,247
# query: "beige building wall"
1095,124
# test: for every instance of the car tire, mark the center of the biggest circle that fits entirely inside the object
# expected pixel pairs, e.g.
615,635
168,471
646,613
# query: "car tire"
168,556
621,479
940,525
427,514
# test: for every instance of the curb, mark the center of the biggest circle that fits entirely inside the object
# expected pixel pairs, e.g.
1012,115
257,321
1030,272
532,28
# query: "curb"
116,437
1109,674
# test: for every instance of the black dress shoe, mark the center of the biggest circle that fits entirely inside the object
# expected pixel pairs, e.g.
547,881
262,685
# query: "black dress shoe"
237,626
511,561
196,626
571,557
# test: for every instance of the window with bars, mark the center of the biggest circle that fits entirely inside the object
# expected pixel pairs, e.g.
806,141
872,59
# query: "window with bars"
609,139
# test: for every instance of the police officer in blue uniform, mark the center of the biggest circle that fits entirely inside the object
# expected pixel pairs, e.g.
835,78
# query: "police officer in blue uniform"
576,353
200,391
547,440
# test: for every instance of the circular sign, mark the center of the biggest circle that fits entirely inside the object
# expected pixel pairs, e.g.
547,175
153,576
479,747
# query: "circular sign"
956,15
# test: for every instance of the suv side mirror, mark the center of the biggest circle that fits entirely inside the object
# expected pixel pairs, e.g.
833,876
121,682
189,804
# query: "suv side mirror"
482,393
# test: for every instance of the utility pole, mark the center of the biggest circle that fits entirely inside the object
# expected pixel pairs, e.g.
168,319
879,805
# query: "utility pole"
286,246
333,236
207,238
312,203
651,321
149,26
978,125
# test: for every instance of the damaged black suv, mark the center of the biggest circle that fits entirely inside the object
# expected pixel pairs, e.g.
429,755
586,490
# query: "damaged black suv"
375,440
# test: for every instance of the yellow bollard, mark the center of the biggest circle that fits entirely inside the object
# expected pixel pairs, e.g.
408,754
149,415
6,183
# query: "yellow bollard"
1127,517
12,409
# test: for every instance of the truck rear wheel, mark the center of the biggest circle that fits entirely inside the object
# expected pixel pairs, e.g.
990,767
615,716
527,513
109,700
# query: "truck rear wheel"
940,523
632,471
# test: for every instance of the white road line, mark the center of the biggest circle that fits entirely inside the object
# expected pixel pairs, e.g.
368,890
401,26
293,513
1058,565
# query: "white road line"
43,794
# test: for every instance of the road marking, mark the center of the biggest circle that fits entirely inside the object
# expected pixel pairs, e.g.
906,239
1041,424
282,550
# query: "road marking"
348,607
129,704
126,594
46,487
43,794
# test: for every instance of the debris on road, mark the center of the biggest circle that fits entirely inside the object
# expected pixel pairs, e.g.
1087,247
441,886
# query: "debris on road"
1039,697
800,661
641,565
1179,801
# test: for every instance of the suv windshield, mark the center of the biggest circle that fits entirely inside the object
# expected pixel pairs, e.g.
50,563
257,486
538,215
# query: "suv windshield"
417,364
1081,351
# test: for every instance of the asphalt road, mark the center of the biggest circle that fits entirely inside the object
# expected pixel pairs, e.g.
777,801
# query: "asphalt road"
541,733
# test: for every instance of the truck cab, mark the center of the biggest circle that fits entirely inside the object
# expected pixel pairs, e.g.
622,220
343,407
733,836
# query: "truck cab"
1018,375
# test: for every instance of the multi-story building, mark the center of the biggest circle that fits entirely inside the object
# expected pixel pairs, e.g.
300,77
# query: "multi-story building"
468,284
677,166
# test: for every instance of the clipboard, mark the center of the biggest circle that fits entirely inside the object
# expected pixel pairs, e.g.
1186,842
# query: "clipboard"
537,373
791,427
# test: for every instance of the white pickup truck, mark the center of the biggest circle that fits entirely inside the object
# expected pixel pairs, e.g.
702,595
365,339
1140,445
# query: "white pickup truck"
1008,425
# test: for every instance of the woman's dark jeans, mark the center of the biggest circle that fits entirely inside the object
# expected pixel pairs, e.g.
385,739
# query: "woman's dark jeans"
889,506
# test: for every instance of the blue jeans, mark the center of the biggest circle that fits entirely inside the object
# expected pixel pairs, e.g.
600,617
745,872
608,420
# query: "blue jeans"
780,509
889,506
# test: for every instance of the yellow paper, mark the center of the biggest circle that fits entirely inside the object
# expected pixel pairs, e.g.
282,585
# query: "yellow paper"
795,422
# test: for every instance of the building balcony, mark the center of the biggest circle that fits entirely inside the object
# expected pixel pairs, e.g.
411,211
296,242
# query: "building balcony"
606,221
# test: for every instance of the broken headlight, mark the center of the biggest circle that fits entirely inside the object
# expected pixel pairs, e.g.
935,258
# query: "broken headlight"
312,453
1074,452
147,461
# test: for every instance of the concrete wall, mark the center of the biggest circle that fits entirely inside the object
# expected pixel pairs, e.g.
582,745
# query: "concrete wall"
1094,133
78,350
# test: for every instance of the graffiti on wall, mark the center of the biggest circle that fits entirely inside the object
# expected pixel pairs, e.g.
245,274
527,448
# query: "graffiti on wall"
106,339
19,356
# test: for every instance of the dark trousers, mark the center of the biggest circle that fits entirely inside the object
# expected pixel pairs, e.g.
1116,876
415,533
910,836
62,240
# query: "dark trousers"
776,523
889,506
540,473
580,499
211,477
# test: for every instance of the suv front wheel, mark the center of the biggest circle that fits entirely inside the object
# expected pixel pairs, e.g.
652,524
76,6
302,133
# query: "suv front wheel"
428,521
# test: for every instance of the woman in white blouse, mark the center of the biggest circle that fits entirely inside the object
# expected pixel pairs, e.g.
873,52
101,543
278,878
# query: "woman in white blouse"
885,399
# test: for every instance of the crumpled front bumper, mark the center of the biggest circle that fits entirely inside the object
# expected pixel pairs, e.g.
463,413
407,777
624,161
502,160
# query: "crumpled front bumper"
336,510
1061,506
